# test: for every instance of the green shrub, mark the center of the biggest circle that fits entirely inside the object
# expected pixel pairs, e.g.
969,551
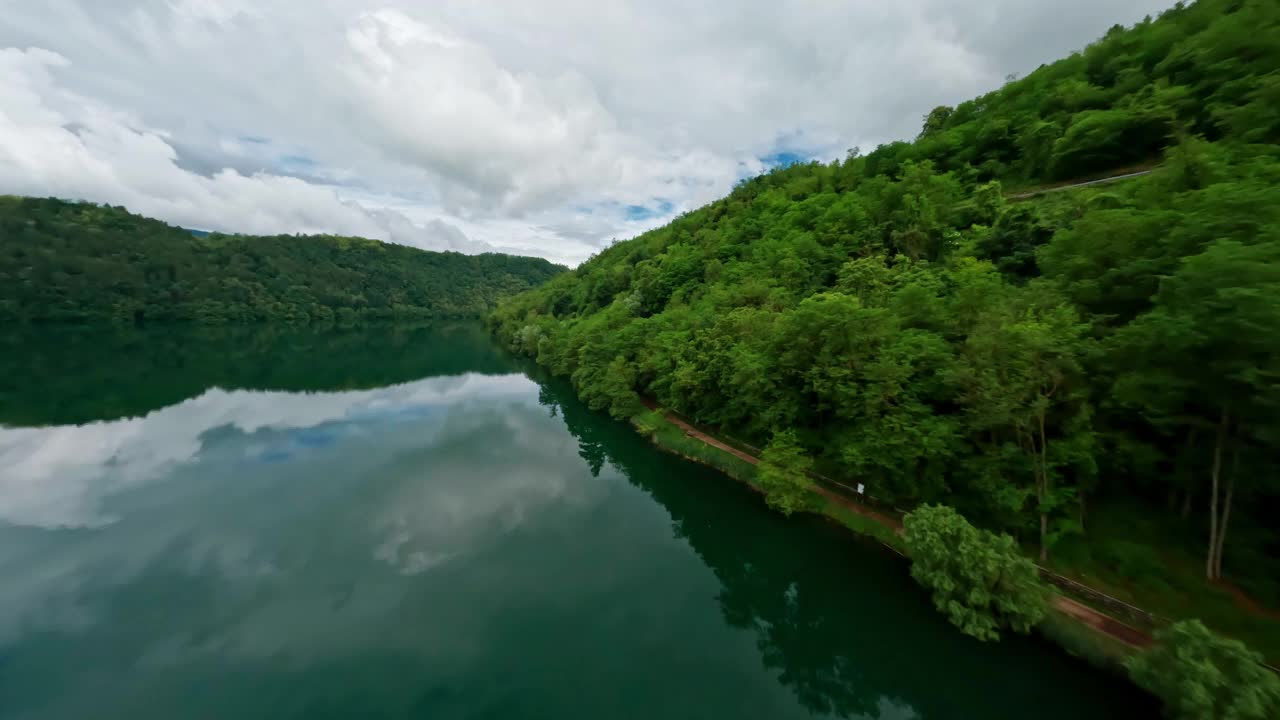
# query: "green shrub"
783,475
1140,564
1203,676
979,580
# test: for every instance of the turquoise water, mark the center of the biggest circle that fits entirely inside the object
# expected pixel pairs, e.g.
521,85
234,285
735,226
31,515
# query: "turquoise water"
408,523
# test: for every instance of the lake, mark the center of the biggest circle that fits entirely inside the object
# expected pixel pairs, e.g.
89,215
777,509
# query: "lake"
410,523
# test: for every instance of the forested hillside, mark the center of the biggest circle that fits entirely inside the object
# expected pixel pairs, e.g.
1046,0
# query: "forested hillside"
64,261
1204,69
1096,372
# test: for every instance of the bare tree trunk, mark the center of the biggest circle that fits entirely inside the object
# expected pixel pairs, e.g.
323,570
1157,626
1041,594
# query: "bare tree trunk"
1027,443
1044,534
1213,496
1226,512
1186,503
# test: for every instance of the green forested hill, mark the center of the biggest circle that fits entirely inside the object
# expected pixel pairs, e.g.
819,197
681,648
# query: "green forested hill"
78,261
1096,371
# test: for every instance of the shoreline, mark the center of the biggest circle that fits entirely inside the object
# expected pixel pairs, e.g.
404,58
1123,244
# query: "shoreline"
1081,631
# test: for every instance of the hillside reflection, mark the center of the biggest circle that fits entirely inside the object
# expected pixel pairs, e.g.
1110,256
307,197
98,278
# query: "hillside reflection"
72,375
838,620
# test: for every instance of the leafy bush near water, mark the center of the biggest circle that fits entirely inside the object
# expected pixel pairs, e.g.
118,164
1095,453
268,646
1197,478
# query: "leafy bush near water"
784,475
978,579
1203,676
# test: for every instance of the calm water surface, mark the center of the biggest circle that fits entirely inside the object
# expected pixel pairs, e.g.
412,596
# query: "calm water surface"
407,523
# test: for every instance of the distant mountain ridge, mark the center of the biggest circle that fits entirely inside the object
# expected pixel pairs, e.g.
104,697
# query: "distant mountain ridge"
82,262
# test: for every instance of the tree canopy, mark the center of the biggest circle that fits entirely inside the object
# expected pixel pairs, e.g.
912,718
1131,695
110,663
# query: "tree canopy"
1202,676
978,579
783,474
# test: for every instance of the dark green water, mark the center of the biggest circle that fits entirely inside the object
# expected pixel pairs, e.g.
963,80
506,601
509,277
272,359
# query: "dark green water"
397,523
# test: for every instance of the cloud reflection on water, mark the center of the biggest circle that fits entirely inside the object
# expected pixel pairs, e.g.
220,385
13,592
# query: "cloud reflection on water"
59,476
242,486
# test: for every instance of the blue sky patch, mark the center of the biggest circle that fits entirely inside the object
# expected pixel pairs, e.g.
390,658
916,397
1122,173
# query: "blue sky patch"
637,213
784,158
297,161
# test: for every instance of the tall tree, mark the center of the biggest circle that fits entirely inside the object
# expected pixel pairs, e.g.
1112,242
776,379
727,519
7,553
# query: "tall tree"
1021,376
1213,339
784,474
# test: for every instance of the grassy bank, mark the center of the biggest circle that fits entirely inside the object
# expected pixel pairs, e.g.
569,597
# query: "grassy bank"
1153,562
671,438
1081,641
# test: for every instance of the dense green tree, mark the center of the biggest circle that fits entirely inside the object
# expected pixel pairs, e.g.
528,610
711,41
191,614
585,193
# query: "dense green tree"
1021,380
784,474
1202,676
1102,139
1012,243
1209,353
936,120
978,579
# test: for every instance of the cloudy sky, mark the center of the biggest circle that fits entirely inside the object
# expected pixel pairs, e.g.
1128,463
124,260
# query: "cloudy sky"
547,127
